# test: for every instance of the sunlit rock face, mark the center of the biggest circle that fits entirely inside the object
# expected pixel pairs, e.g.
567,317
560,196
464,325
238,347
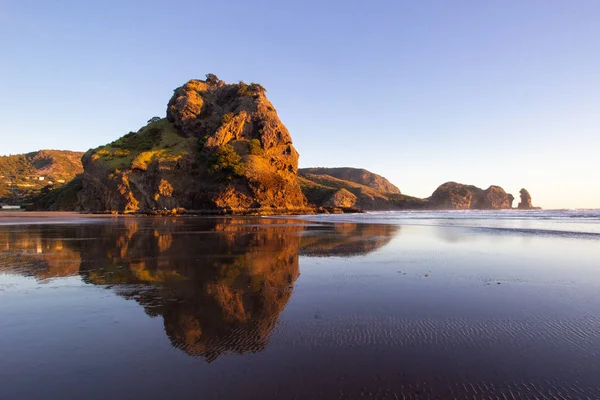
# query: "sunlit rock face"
222,148
456,196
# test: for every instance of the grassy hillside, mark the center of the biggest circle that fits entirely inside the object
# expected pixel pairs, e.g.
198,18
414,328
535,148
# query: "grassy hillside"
158,139
321,190
25,176
356,175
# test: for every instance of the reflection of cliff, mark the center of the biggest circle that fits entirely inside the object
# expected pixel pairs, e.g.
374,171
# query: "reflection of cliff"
220,284
346,239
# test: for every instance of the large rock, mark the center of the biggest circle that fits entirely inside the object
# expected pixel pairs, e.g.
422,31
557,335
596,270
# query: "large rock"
525,200
456,196
222,148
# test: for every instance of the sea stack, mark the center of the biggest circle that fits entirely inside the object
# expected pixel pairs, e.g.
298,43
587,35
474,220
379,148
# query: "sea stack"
525,203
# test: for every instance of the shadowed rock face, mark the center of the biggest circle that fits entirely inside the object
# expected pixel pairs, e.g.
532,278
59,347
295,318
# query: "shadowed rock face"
525,200
222,147
456,196
219,284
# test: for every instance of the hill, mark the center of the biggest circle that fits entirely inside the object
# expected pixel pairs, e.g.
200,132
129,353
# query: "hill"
457,196
23,177
356,175
222,148
328,191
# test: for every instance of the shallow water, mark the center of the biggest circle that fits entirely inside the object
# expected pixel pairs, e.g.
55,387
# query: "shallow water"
384,305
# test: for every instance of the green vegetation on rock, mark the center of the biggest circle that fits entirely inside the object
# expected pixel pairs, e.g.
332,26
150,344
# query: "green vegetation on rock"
222,148
227,161
63,198
158,139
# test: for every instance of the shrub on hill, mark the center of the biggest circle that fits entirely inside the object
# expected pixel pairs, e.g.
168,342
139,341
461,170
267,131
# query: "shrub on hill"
225,159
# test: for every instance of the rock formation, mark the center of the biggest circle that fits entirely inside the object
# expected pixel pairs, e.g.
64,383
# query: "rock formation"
525,203
342,198
456,196
222,148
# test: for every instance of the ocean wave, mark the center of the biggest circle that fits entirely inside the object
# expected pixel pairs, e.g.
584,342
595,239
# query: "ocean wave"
566,223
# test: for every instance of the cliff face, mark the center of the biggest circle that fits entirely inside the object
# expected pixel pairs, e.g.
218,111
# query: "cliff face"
25,176
456,196
356,175
222,147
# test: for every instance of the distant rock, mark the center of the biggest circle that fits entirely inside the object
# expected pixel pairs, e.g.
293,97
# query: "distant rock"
525,203
356,175
222,148
456,196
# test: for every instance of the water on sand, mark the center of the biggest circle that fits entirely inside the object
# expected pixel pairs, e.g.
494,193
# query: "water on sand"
385,305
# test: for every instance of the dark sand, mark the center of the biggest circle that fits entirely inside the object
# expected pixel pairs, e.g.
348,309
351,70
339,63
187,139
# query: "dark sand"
98,307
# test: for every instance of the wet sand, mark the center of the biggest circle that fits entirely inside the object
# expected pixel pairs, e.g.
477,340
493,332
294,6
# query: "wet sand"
290,308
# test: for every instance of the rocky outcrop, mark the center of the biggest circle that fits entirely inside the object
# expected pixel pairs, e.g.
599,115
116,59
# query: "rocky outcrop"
24,177
525,203
222,148
342,198
456,196
356,175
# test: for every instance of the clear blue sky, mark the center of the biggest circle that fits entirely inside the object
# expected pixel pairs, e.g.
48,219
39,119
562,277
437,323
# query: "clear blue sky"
422,92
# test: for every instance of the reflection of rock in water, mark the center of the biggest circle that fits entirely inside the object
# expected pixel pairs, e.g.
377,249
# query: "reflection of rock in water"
222,284
219,283
346,239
